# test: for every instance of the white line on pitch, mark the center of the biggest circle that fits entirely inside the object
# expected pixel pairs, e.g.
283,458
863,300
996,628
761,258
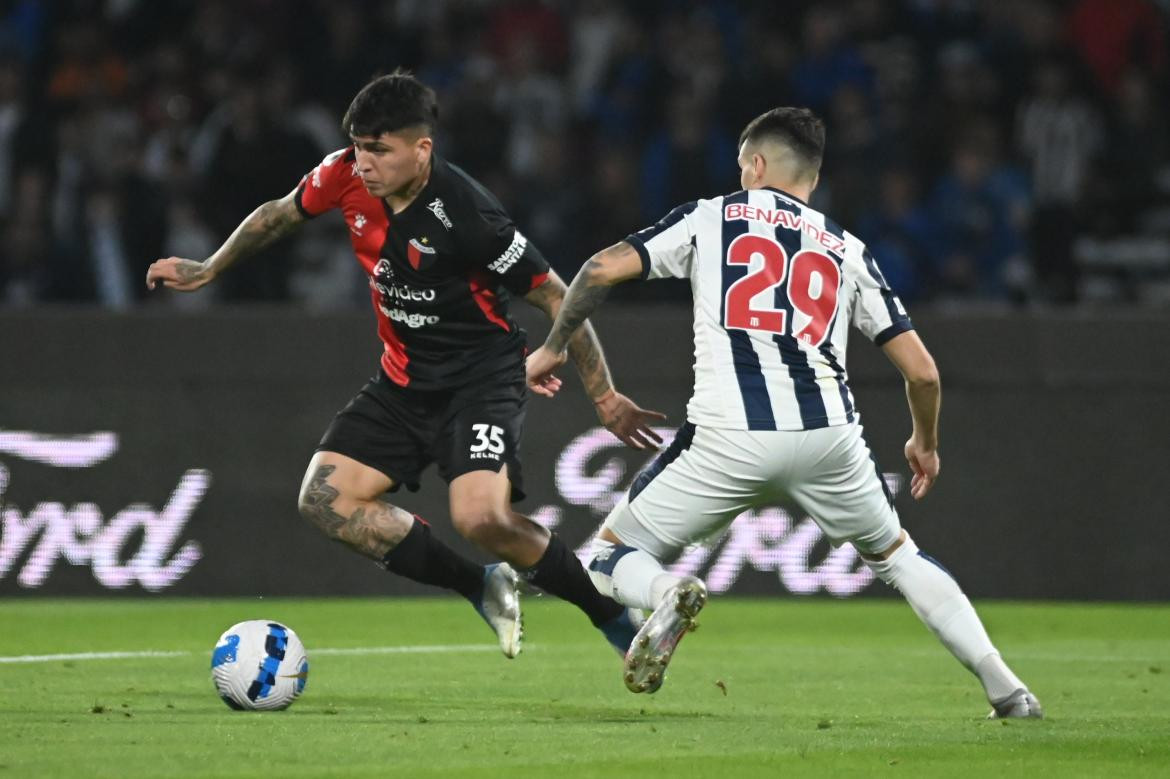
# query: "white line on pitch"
368,650
87,656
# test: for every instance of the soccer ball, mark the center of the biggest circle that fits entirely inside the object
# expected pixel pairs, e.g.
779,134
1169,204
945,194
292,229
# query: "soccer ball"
259,664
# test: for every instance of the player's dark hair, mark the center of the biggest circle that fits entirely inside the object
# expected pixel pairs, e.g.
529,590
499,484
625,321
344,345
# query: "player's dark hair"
797,128
392,103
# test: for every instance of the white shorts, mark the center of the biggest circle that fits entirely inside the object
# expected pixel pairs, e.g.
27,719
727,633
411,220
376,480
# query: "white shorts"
708,477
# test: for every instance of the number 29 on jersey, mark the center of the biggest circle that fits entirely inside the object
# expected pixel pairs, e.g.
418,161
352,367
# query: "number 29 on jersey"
809,280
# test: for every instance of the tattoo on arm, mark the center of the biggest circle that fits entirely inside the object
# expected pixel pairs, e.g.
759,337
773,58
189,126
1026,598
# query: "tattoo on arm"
268,223
548,296
584,347
585,352
189,271
582,300
373,529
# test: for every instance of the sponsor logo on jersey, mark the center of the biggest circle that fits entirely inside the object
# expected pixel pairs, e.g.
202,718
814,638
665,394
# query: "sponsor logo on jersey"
511,255
412,320
383,271
416,249
436,208
394,291
359,221
787,220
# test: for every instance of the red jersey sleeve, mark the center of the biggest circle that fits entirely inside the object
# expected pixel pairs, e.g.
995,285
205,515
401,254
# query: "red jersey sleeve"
320,190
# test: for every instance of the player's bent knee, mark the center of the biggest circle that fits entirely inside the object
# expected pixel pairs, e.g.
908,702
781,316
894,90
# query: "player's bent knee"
334,488
324,507
888,563
882,548
320,514
481,524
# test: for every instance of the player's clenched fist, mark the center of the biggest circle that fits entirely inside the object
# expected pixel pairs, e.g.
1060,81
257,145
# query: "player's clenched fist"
925,465
178,273
539,369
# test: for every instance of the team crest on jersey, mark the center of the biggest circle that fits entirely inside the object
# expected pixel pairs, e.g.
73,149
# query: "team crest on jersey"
416,249
436,208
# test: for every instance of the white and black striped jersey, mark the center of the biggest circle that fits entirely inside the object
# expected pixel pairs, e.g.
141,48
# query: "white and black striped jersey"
776,285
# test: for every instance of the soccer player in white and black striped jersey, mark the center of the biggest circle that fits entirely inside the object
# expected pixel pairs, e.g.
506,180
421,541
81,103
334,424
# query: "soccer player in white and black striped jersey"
776,285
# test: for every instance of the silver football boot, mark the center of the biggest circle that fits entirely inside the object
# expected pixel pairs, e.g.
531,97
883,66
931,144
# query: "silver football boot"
1021,704
500,607
655,643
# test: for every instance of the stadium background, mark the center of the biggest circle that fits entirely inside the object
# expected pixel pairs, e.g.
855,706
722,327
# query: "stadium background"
1009,163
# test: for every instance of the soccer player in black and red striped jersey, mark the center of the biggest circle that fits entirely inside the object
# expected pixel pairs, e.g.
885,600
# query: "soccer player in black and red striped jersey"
443,260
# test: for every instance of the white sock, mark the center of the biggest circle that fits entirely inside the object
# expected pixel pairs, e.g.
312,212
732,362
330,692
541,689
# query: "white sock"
937,600
998,680
628,575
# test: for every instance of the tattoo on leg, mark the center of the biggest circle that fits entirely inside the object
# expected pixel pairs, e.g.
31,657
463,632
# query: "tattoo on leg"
373,529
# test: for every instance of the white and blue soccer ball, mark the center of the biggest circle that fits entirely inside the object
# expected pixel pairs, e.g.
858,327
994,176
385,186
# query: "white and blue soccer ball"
259,664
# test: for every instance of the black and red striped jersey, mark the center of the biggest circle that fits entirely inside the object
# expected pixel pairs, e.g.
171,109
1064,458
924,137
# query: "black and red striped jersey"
441,271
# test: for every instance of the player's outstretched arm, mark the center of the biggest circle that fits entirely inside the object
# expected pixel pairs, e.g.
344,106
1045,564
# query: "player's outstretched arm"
620,415
923,393
584,349
590,286
269,222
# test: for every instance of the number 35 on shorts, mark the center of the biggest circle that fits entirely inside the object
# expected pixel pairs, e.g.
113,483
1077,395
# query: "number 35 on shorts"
489,441
812,282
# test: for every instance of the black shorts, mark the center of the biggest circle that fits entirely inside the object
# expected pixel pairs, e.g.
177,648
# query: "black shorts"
400,431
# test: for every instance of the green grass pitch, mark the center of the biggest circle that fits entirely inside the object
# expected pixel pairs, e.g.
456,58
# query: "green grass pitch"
766,687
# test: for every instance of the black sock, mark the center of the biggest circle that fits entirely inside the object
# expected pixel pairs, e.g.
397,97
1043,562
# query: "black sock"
423,558
560,573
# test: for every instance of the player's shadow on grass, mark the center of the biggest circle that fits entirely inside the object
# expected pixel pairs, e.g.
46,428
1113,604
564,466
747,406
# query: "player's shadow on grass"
576,712
413,711
416,709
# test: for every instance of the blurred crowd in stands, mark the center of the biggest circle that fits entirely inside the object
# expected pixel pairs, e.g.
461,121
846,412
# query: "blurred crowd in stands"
1004,151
